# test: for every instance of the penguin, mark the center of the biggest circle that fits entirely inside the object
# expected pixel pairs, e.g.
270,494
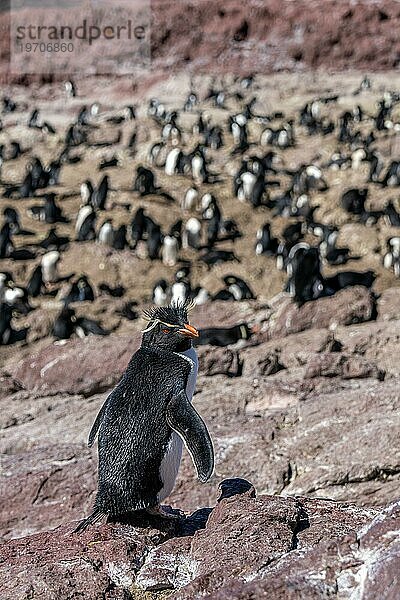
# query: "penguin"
11,216
115,292
53,241
154,240
160,293
5,280
81,291
199,167
86,191
68,323
119,239
6,243
180,290
64,325
169,250
144,181
305,281
137,226
99,196
224,336
5,324
392,257
143,423
192,234
265,243
106,233
158,154
172,161
328,250
50,212
238,288
190,201
85,224
70,89
35,283
49,266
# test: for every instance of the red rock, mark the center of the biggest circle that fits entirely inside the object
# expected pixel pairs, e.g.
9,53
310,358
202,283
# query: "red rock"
349,306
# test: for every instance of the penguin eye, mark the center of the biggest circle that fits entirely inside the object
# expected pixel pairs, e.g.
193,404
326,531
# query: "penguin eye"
165,330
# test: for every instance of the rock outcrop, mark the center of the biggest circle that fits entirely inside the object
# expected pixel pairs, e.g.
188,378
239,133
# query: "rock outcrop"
306,410
244,547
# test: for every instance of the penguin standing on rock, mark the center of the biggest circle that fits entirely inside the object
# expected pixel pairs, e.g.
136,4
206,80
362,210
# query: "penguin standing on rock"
143,422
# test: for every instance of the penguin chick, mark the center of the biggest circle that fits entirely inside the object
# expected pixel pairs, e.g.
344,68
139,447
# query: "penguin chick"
142,423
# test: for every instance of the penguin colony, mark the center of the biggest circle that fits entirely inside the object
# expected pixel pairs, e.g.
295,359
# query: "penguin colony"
178,196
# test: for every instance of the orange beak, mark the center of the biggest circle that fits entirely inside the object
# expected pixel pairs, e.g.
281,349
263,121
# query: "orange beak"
189,331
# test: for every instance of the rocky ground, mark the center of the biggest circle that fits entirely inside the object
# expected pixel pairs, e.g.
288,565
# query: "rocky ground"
278,36
312,424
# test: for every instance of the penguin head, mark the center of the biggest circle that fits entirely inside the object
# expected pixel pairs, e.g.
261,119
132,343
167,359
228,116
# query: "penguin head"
169,328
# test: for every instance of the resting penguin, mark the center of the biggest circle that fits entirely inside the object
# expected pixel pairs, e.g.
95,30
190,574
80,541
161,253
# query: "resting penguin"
143,422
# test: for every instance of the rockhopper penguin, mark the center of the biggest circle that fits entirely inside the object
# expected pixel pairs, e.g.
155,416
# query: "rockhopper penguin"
144,421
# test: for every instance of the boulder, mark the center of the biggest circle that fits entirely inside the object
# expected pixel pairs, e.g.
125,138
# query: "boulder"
347,307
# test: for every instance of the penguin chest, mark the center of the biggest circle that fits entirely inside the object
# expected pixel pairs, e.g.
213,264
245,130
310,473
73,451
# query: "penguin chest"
170,463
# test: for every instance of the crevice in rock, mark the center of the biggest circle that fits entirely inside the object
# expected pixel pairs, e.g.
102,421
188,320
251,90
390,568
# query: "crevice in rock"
377,474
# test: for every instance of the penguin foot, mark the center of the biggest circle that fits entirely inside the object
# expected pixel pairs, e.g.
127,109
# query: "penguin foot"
158,511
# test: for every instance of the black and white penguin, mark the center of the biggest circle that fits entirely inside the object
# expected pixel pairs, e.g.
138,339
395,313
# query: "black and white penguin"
391,259
6,243
81,291
223,336
181,290
35,283
265,243
49,265
154,239
11,216
85,224
86,190
169,250
353,200
99,196
144,182
160,294
53,241
119,238
67,323
392,175
9,335
105,235
70,89
137,471
238,288
49,212
192,234
137,226
171,164
328,250
199,166
305,281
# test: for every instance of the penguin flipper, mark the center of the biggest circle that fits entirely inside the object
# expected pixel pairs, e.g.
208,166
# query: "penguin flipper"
183,418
